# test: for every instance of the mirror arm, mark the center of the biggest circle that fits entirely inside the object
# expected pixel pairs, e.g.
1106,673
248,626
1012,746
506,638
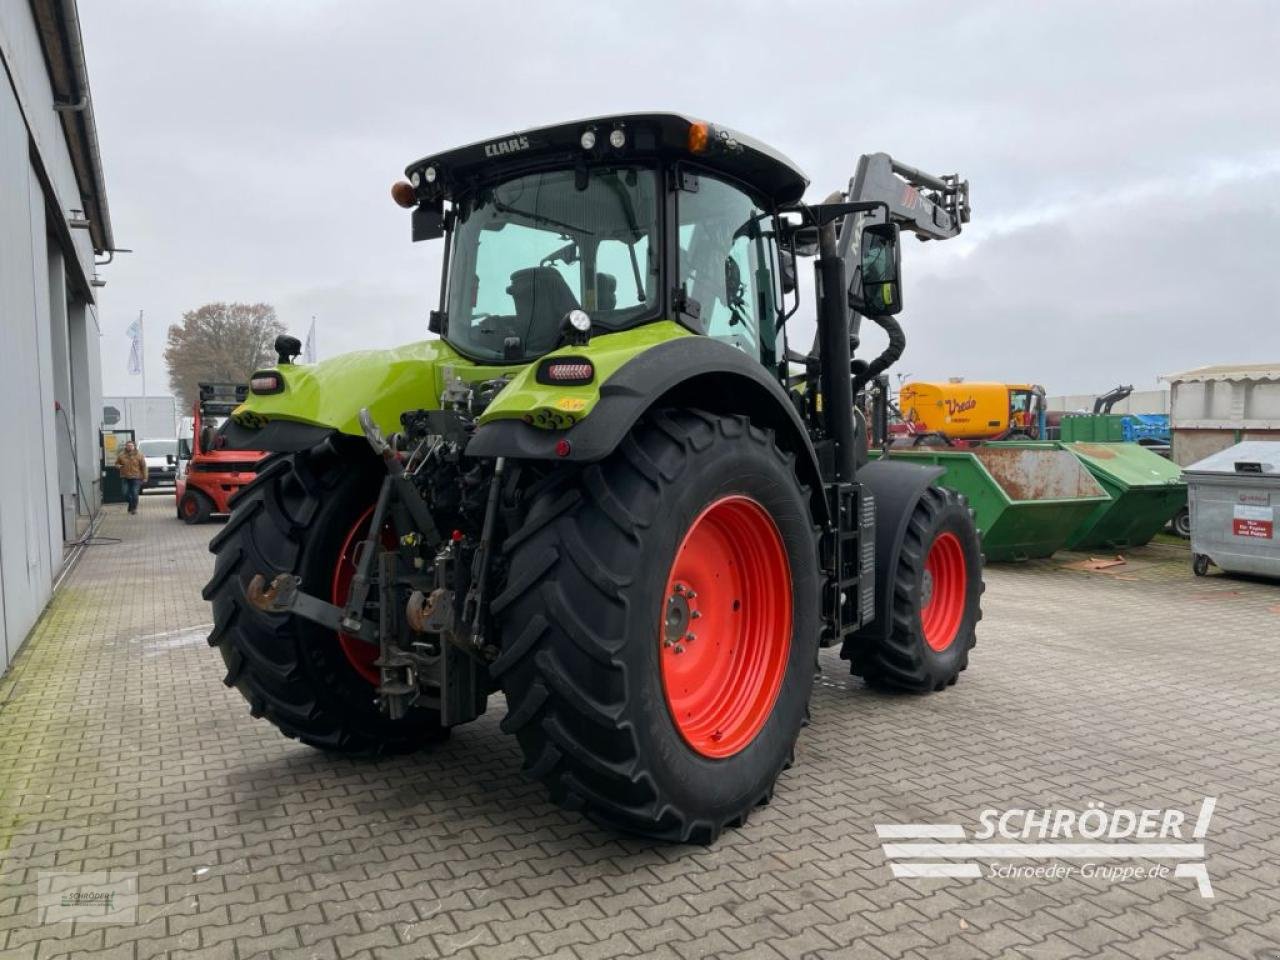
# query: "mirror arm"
795,290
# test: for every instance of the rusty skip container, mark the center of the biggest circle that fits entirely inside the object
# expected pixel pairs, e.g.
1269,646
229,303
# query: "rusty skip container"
1146,490
1027,498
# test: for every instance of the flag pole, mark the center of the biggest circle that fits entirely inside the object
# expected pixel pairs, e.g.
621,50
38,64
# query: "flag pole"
142,353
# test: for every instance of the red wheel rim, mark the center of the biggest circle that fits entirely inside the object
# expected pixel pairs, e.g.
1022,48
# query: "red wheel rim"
360,654
943,591
189,506
725,628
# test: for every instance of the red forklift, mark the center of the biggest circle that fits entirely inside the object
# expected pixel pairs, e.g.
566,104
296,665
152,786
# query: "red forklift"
209,476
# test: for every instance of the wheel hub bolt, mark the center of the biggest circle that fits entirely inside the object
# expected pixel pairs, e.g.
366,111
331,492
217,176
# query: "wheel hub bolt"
690,637
679,649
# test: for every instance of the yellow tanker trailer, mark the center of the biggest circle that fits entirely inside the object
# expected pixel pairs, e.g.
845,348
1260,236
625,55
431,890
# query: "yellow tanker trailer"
974,410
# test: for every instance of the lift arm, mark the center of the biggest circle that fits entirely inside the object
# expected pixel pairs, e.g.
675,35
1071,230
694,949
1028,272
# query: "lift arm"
1106,401
933,208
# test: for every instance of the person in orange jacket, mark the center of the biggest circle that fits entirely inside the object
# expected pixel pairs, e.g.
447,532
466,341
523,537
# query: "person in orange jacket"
133,472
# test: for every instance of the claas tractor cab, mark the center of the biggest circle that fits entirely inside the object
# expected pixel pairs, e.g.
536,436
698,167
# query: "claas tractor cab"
610,489
209,475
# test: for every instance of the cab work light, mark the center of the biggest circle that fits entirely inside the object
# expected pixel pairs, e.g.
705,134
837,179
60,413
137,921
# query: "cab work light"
266,382
566,371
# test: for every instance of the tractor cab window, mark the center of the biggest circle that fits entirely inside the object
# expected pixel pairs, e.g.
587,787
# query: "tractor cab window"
531,249
728,262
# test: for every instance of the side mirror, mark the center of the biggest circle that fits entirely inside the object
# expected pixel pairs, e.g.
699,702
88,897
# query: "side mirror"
786,271
805,241
876,290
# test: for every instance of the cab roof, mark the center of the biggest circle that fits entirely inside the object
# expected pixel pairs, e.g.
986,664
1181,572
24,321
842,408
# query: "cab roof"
645,136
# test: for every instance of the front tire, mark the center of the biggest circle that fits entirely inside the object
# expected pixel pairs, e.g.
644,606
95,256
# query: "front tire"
298,516
195,507
937,593
696,525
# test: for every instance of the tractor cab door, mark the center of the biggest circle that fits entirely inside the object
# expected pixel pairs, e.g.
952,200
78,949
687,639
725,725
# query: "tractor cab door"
728,266
1026,407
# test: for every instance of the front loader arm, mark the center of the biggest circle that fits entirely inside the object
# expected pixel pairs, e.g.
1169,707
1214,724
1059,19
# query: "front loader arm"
933,208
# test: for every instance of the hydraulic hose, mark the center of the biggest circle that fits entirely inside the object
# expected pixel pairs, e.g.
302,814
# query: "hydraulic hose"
890,356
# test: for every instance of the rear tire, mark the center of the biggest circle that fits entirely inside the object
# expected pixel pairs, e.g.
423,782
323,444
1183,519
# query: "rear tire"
295,517
937,594
607,713
195,507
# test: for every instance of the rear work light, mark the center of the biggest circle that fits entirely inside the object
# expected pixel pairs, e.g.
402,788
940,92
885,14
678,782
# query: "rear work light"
566,371
267,382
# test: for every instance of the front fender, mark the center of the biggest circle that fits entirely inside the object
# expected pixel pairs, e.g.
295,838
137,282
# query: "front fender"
897,487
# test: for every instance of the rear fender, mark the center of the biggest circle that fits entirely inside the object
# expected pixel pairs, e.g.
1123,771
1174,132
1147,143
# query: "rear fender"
688,371
319,400
897,487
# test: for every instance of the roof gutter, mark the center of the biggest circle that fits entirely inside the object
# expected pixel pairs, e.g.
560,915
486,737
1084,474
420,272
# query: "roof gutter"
82,103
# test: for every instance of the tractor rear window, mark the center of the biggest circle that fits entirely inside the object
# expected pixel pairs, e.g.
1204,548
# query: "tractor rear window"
529,250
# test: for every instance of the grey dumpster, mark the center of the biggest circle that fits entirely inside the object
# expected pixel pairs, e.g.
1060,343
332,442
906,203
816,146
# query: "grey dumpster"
1234,497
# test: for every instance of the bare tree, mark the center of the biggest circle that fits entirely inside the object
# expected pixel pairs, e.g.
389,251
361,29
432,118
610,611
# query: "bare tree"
220,341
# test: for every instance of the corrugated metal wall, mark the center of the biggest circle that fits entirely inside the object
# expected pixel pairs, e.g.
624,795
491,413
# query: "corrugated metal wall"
49,351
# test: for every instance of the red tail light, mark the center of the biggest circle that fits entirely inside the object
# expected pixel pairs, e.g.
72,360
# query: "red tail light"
566,371
266,382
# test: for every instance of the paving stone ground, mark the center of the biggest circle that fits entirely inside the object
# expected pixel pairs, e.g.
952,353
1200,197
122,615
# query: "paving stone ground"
1140,686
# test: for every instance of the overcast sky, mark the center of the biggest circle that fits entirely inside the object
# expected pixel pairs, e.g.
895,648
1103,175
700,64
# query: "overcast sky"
1124,158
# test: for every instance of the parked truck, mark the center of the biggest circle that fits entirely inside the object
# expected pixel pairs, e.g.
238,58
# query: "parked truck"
150,418
973,410
605,491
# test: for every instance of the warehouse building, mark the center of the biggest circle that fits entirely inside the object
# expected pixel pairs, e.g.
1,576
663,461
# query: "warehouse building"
1219,406
53,221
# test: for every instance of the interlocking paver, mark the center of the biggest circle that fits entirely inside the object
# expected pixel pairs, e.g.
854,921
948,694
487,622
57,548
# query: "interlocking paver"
1142,687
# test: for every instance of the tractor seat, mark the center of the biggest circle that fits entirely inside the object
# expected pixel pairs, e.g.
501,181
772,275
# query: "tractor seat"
606,292
542,298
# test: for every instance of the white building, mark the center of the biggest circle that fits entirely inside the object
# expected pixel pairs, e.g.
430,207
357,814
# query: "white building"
53,220
1217,407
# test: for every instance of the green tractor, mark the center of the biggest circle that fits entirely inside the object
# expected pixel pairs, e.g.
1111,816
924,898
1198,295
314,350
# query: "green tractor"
608,489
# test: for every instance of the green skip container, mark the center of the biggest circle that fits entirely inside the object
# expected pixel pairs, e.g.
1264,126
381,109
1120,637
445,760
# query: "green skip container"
1146,490
1027,499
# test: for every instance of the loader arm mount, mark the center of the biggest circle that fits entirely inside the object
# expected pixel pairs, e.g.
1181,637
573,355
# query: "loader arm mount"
882,193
